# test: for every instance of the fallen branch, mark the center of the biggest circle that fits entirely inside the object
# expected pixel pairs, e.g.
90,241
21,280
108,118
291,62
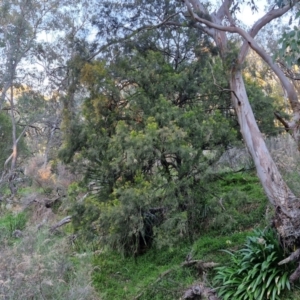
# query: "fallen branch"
60,223
200,265
294,256
197,290
282,121
192,292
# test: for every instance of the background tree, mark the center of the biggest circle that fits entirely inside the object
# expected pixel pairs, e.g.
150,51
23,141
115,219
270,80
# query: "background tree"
29,62
165,66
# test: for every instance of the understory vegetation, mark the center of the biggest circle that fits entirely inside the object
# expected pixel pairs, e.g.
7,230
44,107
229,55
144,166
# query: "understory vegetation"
241,243
38,264
149,150
254,272
231,250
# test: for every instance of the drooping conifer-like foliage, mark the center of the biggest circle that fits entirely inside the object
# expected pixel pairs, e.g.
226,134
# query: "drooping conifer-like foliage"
149,134
156,119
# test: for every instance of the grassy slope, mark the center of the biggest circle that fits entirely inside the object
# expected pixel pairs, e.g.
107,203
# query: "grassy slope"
154,275
35,264
244,207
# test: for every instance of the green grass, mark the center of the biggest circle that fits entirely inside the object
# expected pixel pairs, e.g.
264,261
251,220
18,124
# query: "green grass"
292,179
245,208
241,204
11,222
119,278
125,278
244,205
4,190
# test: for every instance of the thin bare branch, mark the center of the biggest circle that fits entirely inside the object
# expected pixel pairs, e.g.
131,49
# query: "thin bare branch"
292,95
282,121
134,32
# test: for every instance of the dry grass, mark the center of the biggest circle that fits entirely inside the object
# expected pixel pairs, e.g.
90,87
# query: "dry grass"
40,173
49,176
284,152
39,266
282,148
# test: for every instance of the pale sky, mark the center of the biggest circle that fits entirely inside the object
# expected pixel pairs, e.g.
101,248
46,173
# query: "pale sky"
248,17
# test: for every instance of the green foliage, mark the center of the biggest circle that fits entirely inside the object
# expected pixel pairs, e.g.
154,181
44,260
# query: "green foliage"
150,129
263,107
240,205
116,277
11,222
290,42
4,190
231,56
33,106
5,138
119,278
210,244
254,272
83,213
142,275
144,138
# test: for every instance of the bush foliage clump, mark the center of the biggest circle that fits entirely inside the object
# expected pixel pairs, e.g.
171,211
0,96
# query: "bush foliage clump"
254,272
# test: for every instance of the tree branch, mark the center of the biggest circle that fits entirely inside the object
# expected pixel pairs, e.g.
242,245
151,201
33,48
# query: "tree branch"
259,24
224,9
147,27
282,121
198,7
294,256
60,223
292,95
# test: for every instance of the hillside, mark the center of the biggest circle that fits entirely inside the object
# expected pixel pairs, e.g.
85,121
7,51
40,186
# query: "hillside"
149,150
57,264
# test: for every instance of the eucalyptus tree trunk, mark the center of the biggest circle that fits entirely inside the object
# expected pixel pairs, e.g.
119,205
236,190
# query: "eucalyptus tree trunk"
286,204
218,25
